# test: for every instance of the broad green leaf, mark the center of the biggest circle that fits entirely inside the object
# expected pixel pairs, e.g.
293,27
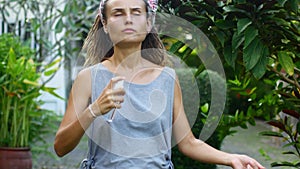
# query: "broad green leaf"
250,35
281,22
221,36
260,68
282,2
231,8
294,4
224,24
230,56
237,40
242,24
252,53
286,61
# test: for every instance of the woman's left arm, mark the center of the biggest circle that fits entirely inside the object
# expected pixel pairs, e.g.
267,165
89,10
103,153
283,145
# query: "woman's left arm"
197,149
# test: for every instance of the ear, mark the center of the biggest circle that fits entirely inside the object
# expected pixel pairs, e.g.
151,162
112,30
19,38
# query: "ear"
104,26
149,24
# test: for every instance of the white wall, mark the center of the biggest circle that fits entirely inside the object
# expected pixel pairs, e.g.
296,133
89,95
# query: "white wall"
51,102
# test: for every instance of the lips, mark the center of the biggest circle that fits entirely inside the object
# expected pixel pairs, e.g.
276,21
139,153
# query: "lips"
128,30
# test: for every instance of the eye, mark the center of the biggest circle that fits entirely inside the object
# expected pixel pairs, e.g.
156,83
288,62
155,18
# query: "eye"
117,14
136,12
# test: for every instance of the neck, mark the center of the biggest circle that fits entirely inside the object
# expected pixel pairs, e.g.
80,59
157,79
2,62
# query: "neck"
126,56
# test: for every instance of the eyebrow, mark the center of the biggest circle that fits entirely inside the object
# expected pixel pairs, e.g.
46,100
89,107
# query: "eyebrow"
121,9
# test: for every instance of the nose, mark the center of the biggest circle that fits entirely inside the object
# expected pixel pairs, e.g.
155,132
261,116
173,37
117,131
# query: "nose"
128,19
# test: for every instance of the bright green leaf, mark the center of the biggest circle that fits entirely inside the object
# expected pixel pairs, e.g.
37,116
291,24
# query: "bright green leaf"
26,81
286,61
11,58
50,72
242,24
176,46
53,63
205,108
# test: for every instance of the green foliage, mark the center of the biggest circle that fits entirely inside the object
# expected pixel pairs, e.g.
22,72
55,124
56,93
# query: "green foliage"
258,42
57,28
22,120
288,124
188,91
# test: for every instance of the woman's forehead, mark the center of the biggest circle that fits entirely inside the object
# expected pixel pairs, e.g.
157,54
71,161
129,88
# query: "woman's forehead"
121,4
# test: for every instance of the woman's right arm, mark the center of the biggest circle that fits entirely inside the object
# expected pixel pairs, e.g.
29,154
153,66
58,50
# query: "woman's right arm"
77,117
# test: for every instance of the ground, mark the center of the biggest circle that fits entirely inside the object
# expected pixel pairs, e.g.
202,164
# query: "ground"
245,141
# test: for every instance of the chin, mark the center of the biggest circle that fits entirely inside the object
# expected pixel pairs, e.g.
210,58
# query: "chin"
131,41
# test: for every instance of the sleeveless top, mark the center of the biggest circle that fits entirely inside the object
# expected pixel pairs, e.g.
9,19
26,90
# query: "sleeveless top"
139,137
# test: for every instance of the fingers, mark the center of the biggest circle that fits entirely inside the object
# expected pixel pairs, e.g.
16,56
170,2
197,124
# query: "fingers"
255,165
117,82
116,92
243,161
112,95
116,100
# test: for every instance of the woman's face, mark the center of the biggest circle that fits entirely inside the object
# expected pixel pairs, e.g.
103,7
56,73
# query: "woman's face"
126,21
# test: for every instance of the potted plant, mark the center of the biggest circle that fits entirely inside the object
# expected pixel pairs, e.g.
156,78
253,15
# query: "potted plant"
21,118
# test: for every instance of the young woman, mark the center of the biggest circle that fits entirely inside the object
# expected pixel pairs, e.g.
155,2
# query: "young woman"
130,126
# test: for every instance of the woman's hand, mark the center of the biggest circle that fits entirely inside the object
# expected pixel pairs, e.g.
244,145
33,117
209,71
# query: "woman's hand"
244,162
110,98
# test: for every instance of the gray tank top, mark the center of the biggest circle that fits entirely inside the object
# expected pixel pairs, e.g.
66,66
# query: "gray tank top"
140,135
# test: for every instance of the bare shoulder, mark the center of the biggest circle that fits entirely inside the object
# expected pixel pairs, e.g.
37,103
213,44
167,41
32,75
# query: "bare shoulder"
83,81
84,75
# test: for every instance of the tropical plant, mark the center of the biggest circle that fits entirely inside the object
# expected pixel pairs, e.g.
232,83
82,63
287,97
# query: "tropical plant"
55,29
22,119
258,42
